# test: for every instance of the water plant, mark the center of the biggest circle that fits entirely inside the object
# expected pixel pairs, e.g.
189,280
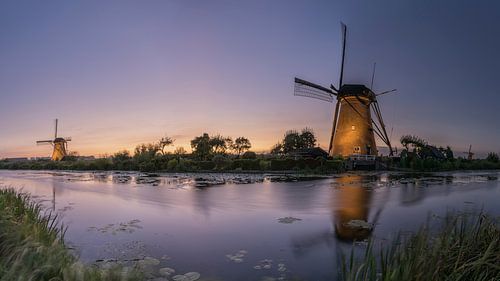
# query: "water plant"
465,247
32,245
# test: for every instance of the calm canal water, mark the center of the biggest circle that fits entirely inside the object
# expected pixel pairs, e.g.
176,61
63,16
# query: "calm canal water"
244,227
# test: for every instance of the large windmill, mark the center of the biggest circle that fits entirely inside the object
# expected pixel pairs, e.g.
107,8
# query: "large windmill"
59,144
354,128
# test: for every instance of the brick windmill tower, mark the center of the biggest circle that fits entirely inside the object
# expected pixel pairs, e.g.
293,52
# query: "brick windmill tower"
60,145
354,129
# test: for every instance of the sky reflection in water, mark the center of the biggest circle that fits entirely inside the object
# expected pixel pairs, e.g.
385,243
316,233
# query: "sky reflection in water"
193,229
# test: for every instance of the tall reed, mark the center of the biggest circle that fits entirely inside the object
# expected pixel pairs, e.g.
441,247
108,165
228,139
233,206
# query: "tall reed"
32,245
464,247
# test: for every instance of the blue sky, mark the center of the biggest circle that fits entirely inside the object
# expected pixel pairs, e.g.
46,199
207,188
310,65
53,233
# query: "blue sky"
119,73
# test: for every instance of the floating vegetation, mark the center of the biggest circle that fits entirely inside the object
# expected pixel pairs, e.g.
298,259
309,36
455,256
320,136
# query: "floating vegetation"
121,178
238,257
190,276
102,177
128,227
360,224
166,271
293,177
206,182
288,220
147,180
148,261
264,264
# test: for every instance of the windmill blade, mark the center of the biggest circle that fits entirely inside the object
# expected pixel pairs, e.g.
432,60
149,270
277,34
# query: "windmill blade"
344,38
307,89
334,128
43,142
386,92
55,134
386,138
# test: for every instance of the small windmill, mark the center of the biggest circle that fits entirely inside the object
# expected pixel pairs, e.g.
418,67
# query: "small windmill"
60,145
353,126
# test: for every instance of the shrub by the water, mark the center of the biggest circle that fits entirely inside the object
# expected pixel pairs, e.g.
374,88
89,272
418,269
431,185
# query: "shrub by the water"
246,164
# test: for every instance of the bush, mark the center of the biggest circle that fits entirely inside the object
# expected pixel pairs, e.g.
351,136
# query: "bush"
283,164
333,165
246,164
249,155
264,165
172,164
205,165
221,162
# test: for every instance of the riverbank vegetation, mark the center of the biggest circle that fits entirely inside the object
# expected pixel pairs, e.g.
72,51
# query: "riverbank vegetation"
32,245
418,155
296,152
464,247
209,153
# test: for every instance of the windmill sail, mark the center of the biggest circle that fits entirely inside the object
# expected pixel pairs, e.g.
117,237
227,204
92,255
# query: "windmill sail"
307,89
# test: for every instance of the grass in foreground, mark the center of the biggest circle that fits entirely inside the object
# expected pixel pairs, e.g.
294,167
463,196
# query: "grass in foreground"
465,247
32,246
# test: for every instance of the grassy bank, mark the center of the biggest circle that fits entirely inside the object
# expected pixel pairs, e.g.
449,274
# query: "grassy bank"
32,245
465,247
178,164
430,164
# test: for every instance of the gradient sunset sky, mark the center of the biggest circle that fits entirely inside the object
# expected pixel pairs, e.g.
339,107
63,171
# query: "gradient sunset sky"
120,73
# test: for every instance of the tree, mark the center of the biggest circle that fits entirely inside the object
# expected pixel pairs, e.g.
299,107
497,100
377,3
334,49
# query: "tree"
240,145
448,153
219,144
308,139
291,141
492,157
146,152
164,143
121,156
294,140
202,147
277,149
415,141
180,151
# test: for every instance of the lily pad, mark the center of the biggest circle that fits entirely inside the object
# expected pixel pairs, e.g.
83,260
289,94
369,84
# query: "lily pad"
288,220
359,224
166,271
190,276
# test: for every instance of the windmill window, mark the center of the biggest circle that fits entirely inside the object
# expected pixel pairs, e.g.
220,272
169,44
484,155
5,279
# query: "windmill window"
357,149
353,127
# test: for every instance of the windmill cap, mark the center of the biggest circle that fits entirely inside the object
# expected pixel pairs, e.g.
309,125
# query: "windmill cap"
356,90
